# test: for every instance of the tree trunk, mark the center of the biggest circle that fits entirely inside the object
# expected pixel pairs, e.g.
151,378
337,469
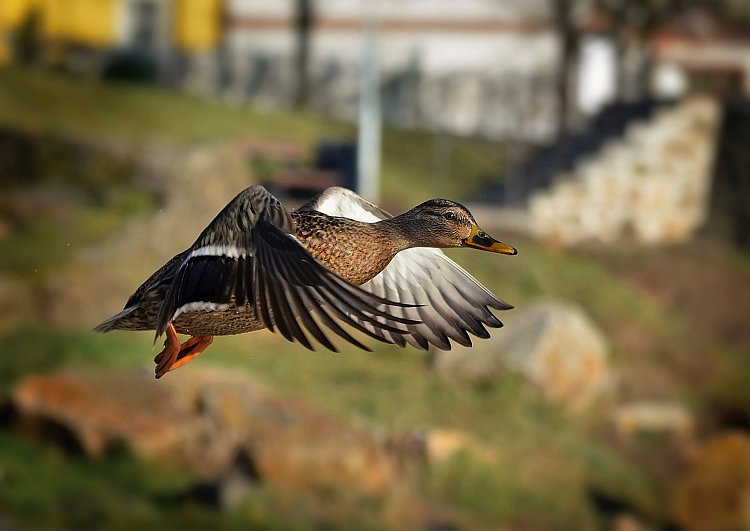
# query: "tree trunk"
303,27
568,49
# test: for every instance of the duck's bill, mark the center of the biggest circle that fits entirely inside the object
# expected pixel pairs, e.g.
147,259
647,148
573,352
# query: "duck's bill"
478,239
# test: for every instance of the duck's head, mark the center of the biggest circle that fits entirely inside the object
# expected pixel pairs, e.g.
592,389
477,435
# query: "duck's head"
444,223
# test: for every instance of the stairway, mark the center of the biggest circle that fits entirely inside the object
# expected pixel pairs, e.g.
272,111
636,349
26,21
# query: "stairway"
649,185
546,163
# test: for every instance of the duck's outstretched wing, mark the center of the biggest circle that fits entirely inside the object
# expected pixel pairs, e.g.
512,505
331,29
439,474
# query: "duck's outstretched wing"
448,301
248,256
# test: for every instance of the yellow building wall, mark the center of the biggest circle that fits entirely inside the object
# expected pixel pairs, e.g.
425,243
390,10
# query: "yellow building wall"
198,24
83,21
90,22
12,14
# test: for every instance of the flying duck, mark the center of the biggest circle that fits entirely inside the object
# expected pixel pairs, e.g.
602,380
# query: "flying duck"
337,259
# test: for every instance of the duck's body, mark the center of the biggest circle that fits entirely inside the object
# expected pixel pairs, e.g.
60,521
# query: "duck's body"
257,266
362,250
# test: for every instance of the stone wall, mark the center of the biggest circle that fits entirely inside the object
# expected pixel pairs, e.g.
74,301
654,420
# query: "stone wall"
650,186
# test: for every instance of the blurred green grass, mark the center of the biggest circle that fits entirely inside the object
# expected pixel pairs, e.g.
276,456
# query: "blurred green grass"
386,389
138,115
392,389
56,108
46,489
40,242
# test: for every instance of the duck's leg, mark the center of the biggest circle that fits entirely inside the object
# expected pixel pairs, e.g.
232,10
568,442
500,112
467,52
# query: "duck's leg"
176,355
190,349
168,356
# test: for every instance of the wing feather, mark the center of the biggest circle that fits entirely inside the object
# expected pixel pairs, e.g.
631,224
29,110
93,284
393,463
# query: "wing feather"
248,256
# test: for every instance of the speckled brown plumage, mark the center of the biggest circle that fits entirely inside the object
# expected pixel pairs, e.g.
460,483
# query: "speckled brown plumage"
352,249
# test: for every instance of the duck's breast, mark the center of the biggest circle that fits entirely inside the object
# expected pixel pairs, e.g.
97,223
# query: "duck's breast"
352,249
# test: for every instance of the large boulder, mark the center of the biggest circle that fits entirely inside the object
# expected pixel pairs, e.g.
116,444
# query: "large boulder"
552,344
715,492
668,418
286,441
94,412
213,423
438,445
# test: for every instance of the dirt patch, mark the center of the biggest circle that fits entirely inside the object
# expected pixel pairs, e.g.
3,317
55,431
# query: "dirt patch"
704,282
705,287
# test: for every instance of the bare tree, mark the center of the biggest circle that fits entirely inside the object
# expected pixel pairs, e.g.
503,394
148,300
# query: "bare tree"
303,24
633,24
569,46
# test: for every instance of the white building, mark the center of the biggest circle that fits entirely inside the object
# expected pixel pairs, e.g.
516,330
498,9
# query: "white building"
475,66
487,67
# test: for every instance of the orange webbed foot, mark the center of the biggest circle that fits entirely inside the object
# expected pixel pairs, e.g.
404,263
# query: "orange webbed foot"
175,355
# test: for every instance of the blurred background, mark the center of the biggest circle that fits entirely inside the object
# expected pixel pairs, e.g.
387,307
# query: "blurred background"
606,139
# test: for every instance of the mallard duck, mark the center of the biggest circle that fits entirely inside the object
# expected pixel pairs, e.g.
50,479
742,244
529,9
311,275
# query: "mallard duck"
339,258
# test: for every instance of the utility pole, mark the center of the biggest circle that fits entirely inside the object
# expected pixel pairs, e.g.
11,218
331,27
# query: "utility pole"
369,125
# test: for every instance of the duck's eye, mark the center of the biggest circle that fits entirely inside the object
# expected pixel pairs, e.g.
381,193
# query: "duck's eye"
450,216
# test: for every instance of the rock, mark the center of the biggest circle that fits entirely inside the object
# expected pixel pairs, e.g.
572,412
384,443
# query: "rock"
286,441
653,417
439,445
628,522
715,492
213,423
16,302
98,411
553,344
5,228
233,490
435,516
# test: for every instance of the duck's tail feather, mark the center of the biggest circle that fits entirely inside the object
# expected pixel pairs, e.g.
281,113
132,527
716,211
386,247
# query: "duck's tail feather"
113,322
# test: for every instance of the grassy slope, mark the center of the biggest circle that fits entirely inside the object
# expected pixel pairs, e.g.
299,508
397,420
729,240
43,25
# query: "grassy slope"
389,388
138,115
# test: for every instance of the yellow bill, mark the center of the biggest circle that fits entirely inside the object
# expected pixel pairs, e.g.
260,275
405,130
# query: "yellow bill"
478,239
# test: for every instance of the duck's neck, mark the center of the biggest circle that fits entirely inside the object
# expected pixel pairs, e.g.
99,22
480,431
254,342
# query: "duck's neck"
403,233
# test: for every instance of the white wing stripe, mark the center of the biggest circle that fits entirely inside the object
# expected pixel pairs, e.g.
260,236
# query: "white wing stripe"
218,250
